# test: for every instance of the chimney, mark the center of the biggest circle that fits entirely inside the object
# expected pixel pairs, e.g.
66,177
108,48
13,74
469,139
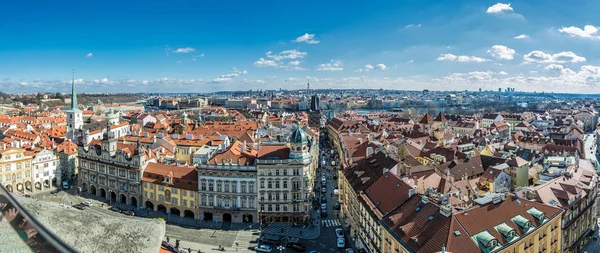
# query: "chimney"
360,141
244,146
369,151
153,139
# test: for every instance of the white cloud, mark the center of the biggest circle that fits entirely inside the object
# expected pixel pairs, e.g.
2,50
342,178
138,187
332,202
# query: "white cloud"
460,58
502,73
89,55
229,76
562,57
521,37
412,25
381,66
370,67
286,54
198,56
277,59
499,7
184,50
221,79
588,31
308,38
262,62
411,61
501,52
333,65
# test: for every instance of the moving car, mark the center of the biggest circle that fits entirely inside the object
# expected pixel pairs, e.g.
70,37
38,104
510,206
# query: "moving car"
115,209
323,199
341,243
86,203
263,248
339,232
349,250
129,213
324,206
324,189
55,191
296,246
336,192
336,206
324,179
324,213
80,206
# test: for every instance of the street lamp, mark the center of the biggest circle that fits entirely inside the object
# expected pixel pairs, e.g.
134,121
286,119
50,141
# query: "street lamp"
280,248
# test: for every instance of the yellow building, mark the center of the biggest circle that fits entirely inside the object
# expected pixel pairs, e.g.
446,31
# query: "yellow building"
15,169
497,224
171,189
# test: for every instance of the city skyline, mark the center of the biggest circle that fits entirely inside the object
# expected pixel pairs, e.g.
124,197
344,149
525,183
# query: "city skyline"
204,47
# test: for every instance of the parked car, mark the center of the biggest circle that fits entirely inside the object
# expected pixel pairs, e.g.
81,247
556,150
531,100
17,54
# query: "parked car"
324,189
323,199
160,219
324,213
86,203
80,206
324,206
341,243
270,239
115,209
56,191
335,176
336,192
339,233
263,248
129,213
349,250
296,246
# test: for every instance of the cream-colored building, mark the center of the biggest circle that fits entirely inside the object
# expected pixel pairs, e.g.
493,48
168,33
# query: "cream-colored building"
16,169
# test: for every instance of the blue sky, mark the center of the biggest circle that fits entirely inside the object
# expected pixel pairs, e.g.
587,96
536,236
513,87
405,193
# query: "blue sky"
201,46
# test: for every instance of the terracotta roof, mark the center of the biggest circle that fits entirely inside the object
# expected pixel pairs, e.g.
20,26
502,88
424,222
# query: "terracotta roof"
183,177
236,154
426,119
67,147
278,151
387,193
361,175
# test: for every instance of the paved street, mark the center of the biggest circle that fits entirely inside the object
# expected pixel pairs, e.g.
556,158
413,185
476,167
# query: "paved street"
590,147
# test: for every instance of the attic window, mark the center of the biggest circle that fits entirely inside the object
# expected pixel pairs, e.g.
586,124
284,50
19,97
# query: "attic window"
418,209
378,202
456,232
431,217
398,185
176,180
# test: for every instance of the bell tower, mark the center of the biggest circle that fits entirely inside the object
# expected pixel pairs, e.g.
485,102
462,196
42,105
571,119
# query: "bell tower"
74,115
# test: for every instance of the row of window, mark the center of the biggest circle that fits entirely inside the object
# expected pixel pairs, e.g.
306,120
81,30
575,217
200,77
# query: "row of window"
111,170
172,190
278,208
278,172
210,201
18,166
276,184
17,156
224,187
19,176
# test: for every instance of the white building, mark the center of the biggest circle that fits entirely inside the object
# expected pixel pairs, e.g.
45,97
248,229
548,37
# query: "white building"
45,168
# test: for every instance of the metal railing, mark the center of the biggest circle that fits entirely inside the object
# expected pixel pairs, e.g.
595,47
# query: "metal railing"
43,240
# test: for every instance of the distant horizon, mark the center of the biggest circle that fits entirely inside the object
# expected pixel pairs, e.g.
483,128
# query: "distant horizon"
298,90
206,47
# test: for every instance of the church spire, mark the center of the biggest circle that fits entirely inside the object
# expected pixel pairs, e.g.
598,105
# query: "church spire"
73,93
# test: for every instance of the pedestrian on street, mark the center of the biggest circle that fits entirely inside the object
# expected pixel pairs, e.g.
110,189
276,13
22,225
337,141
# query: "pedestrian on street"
168,239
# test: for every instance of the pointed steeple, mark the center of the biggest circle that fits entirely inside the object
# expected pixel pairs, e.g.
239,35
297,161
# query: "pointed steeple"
73,94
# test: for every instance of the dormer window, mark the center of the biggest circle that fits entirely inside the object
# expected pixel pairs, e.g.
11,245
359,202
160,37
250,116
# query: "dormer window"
167,180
